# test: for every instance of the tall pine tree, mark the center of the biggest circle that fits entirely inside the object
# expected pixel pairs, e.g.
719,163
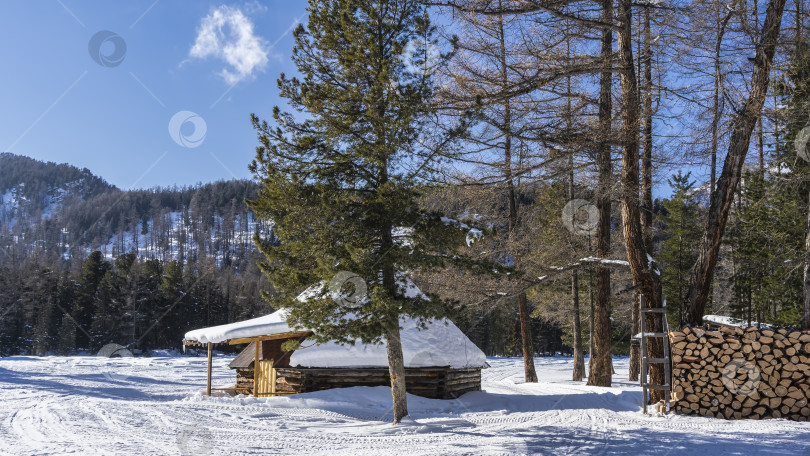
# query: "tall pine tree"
341,178
679,249
793,156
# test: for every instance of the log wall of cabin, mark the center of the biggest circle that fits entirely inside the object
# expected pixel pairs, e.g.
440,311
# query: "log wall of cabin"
436,383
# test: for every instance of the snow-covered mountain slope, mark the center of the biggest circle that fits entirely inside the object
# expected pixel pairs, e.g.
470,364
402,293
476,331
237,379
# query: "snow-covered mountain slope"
70,212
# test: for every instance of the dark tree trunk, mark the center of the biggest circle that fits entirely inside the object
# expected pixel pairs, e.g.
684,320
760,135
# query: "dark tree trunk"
526,338
806,306
644,271
635,348
590,320
396,368
523,307
579,354
742,127
601,373
646,181
396,362
718,87
646,159
601,366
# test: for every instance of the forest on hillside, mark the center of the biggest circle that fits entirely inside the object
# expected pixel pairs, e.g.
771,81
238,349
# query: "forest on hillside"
83,264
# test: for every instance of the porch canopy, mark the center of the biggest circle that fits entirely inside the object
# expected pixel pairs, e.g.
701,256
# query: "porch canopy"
268,327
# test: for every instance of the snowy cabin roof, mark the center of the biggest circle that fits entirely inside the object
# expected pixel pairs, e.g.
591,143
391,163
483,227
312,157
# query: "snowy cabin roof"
440,343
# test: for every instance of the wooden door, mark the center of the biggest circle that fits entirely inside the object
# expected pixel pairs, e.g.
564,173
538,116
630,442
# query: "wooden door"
265,378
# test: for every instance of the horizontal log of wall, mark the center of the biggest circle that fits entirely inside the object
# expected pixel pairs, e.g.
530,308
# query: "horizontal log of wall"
438,383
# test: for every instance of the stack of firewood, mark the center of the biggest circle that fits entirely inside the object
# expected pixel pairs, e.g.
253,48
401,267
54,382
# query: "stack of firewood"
736,373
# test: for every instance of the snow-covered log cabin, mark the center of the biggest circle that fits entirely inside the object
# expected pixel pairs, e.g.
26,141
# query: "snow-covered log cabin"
440,361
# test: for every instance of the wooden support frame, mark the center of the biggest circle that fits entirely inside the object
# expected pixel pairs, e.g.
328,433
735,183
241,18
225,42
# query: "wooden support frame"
210,357
256,355
289,335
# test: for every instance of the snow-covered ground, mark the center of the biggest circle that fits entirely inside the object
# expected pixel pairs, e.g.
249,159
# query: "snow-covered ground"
154,406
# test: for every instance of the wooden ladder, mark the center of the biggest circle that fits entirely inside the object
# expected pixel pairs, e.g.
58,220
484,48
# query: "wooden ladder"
646,360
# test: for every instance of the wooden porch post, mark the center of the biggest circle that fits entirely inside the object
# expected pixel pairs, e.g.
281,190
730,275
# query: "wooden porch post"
208,385
272,377
257,344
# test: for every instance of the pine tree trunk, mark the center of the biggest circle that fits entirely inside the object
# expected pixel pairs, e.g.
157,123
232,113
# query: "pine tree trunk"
396,363
718,84
579,355
646,159
396,368
526,338
806,307
523,308
723,197
640,265
635,348
646,184
601,369
590,322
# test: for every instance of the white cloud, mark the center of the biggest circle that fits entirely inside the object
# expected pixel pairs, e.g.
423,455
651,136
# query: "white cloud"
227,33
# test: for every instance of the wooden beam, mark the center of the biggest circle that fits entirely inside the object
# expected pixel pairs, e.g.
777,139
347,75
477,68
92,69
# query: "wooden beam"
289,335
194,343
210,355
272,377
256,368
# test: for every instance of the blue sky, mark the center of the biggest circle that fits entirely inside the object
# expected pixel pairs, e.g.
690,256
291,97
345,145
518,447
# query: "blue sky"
67,97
